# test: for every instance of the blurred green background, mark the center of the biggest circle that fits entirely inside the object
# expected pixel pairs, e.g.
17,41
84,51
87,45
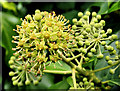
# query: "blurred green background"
13,11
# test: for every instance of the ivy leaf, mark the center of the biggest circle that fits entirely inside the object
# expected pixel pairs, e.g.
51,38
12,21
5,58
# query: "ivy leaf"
66,5
70,15
8,24
9,6
114,7
60,85
70,81
57,67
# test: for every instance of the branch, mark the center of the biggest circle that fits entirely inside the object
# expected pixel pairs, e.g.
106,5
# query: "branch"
57,72
74,79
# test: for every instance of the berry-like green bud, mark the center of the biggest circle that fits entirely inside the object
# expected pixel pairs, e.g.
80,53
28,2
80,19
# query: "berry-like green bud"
98,16
74,27
110,48
84,51
110,62
20,84
37,11
37,17
102,32
80,43
11,73
14,78
15,82
88,29
102,22
35,82
20,68
27,82
84,79
107,58
74,20
100,56
95,20
11,62
109,31
114,36
103,43
79,22
90,54
97,25
86,83
95,35
86,59
12,58
81,36
104,35
112,71
92,84
11,66
28,17
80,14
81,83
116,43
87,13
93,50
87,43
85,17
94,14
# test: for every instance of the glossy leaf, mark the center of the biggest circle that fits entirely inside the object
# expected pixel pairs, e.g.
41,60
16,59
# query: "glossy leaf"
70,81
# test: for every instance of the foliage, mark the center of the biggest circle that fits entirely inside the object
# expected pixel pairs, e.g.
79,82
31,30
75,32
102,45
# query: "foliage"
11,17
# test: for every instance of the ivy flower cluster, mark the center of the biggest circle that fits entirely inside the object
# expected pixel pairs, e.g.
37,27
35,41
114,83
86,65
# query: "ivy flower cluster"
38,39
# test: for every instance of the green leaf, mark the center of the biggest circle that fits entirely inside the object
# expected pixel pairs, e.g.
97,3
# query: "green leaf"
8,24
57,67
70,81
45,83
70,15
60,85
66,5
114,7
0,79
9,6
115,81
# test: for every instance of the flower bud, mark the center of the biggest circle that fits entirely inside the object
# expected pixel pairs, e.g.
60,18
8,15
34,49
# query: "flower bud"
11,73
109,31
112,71
11,62
80,14
114,37
84,79
94,14
74,27
27,82
110,62
103,43
98,16
100,56
107,58
15,82
74,20
87,13
35,82
93,50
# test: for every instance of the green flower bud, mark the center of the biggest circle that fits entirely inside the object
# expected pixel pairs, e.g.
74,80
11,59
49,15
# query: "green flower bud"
81,36
37,11
102,32
94,14
103,43
12,58
86,59
102,22
86,83
88,29
97,25
20,84
15,82
11,62
110,48
79,22
84,79
107,58
35,82
28,17
11,73
116,43
100,56
27,82
74,20
95,35
104,35
20,68
93,50
87,13
11,66
80,43
98,16
80,14
92,84
74,27
87,43
37,17
109,31
81,83
112,71
114,36
85,17
14,78
90,54
84,51
110,62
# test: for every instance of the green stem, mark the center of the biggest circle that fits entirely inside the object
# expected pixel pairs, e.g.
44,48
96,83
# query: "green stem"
109,66
57,72
74,79
81,61
105,82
